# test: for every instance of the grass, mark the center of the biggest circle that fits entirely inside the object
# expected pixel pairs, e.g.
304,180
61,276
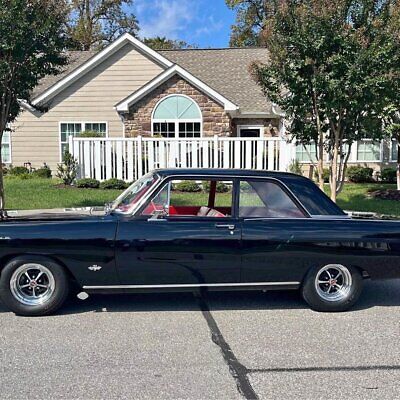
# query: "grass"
44,193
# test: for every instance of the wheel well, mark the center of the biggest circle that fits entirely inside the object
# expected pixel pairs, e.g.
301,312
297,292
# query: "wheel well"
6,259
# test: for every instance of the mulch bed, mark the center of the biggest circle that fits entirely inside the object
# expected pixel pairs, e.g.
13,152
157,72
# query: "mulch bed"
385,194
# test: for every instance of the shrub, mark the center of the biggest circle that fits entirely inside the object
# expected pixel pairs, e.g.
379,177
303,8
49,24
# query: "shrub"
221,187
44,172
113,183
188,186
18,171
359,174
389,175
91,134
88,183
67,170
325,175
295,167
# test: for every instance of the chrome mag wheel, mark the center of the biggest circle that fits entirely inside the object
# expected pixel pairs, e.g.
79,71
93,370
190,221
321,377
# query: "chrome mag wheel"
32,284
333,282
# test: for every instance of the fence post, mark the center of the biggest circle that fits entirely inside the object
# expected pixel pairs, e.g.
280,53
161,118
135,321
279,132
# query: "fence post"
215,151
139,156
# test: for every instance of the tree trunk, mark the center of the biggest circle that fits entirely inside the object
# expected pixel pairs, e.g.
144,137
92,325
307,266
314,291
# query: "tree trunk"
321,161
398,163
334,167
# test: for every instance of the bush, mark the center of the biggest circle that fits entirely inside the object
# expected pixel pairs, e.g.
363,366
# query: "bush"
389,175
113,183
67,170
18,171
359,174
44,172
295,167
188,186
221,187
88,183
325,175
91,134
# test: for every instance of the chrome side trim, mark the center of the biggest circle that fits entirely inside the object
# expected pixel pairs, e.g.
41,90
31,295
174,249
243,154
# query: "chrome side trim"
195,285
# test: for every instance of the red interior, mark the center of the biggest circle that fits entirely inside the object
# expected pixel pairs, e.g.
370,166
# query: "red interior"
185,210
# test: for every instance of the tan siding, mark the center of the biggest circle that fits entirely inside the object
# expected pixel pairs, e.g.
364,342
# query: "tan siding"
91,98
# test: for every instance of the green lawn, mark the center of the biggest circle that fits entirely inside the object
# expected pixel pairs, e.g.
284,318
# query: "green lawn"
44,193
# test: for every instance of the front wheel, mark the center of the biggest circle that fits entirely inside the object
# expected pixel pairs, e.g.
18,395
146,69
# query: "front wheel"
33,288
333,287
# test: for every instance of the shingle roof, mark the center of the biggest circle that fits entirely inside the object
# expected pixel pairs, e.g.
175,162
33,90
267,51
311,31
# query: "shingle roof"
227,72
224,70
76,58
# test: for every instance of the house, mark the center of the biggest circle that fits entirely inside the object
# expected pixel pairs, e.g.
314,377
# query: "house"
129,90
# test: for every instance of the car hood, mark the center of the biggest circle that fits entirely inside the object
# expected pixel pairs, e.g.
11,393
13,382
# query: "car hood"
55,214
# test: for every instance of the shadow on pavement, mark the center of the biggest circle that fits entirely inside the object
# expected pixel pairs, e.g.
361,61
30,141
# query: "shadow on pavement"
383,293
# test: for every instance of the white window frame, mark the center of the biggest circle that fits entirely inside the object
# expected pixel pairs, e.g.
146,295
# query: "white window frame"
368,161
82,123
243,127
9,146
310,161
177,121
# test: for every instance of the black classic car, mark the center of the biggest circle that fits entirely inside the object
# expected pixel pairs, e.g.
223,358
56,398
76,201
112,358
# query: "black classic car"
198,229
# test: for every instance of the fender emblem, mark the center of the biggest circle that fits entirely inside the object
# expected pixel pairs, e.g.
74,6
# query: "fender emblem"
95,268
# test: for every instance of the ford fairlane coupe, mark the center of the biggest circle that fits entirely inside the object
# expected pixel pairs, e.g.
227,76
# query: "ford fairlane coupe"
198,229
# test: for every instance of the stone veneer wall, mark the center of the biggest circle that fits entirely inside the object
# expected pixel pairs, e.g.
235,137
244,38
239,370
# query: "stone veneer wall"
215,119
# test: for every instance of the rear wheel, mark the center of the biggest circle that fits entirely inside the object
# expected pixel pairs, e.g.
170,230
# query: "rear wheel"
332,287
33,288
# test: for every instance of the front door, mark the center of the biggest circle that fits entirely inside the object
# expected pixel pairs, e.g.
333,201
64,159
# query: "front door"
181,238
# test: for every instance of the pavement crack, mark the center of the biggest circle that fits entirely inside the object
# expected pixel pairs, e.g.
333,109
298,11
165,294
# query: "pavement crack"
327,369
238,371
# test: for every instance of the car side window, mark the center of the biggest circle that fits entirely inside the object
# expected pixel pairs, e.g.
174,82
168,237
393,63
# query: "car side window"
206,198
266,199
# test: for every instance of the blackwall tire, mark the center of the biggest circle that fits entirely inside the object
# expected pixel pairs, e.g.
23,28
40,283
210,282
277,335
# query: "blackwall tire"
332,287
33,287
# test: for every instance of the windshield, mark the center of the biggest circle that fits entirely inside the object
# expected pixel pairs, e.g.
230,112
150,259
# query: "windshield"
131,196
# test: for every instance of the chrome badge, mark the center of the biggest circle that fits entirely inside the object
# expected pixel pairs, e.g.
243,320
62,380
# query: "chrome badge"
95,268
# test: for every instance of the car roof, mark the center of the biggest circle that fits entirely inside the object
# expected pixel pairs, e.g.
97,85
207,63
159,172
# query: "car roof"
234,173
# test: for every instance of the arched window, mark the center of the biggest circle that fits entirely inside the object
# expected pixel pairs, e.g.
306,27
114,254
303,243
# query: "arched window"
177,116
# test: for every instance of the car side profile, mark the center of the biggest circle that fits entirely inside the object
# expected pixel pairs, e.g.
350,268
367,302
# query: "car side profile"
192,229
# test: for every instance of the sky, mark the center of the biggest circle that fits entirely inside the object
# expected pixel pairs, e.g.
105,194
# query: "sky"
204,23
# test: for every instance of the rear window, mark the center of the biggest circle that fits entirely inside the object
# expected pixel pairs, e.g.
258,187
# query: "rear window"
312,197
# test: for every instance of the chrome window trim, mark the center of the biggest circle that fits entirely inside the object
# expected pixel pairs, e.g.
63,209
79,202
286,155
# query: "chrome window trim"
192,285
222,176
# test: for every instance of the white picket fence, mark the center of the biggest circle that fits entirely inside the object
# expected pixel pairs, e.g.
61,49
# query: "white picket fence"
130,158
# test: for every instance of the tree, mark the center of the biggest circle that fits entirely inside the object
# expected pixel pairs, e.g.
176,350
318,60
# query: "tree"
392,124
31,41
162,43
95,23
334,68
251,21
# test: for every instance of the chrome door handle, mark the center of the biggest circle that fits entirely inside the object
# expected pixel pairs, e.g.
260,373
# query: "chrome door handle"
225,226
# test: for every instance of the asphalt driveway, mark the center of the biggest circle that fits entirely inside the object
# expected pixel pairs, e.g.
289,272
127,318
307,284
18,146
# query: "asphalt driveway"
240,345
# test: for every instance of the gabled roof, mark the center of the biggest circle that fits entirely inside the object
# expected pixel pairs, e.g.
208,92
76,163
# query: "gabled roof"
124,105
227,72
80,69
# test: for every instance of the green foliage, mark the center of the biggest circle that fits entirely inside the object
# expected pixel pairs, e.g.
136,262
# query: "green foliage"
389,175
221,187
44,172
188,186
358,174
251,21
113,183
339,63
87,183
295,167
162,43
17,171
325,175
67,170
91,134
94,24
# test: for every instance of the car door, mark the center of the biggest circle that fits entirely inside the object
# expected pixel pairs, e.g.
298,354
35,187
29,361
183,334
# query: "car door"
161,248
272,227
